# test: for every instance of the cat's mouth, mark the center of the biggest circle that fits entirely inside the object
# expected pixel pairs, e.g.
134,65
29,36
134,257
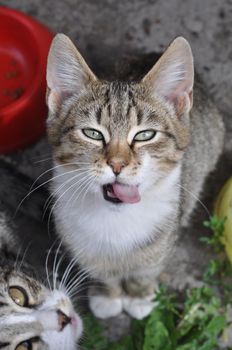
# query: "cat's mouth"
121,193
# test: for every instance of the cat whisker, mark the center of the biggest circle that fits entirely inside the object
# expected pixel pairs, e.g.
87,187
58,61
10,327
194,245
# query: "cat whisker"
46,264
42,160
82,179
83,287
31,190
55,167
47,171
67,272
197,199
89,180
50,198
54,270
85,184
58,199
24,255
76,277
76,281
58,266
78,287
17,257
87,189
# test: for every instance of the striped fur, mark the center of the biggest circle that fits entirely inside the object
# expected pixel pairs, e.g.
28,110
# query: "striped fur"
126,246
37,322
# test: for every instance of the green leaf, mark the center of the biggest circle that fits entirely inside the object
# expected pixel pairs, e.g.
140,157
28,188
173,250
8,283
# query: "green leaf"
159,330
215,326
217,226
157,337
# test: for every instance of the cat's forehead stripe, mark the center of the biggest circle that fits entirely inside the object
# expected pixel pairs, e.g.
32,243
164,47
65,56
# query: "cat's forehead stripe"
118,101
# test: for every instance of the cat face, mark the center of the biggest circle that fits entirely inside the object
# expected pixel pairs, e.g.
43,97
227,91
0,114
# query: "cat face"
33,317
118,139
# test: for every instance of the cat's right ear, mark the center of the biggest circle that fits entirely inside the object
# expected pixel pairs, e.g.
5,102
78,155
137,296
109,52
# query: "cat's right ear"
173,75
67,72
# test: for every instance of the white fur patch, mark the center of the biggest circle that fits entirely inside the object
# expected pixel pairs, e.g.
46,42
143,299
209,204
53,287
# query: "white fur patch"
105,307
93,227
138,307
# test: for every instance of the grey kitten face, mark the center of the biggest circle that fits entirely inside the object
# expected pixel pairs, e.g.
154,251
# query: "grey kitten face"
122,138
34,317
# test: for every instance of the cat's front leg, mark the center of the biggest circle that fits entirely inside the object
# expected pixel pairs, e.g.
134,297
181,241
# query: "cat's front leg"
105,300
138,300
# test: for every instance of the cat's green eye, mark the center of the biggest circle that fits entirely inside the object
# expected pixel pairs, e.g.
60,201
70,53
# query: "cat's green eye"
144,135
19,296
93,134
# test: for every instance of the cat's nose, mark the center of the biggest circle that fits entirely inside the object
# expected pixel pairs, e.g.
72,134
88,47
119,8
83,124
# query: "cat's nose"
63,319
116,166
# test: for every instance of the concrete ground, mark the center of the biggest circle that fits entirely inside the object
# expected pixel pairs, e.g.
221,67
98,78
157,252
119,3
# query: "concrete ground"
106,29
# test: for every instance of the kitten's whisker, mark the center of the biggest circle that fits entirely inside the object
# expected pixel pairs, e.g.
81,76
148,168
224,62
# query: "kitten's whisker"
83,286
76,281
46,264
67,271
44,183
54,266
195,197
87,189
53,168
24,255
65,184
58,199
58,266
42,160
17,257
50,198
86,184
39,186
83,184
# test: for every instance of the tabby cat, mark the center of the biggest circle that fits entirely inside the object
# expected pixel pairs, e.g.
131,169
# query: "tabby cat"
32,316
130,159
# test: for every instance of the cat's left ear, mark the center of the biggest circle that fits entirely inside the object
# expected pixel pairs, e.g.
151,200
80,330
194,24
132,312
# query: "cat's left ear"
172,76
67,72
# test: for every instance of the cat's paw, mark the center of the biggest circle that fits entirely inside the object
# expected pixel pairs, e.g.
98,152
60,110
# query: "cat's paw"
105,307
138,307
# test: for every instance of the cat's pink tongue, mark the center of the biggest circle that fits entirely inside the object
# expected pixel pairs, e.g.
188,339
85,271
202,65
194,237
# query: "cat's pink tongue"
126,194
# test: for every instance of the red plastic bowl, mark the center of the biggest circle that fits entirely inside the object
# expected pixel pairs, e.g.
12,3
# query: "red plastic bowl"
24,45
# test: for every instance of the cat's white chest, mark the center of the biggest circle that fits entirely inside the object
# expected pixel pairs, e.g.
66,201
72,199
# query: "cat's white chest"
95,227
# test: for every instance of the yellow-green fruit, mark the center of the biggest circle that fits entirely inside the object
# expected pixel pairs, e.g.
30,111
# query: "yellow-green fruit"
223,207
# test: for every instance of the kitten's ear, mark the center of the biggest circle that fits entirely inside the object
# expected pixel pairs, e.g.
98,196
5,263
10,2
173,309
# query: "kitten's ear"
67,71
173,75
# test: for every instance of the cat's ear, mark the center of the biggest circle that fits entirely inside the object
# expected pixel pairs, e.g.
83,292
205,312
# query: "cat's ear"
172,76
67,71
